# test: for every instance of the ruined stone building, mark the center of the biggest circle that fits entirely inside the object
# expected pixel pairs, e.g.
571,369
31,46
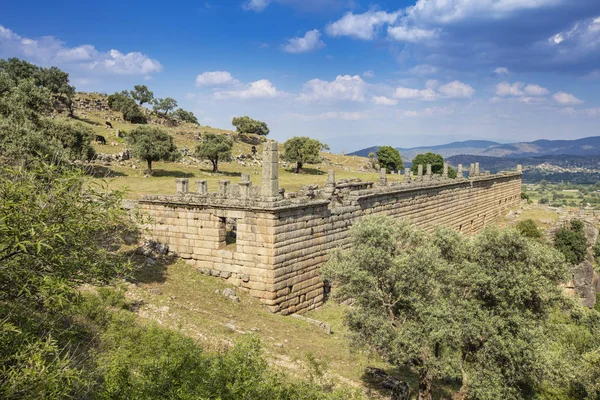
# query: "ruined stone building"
272,243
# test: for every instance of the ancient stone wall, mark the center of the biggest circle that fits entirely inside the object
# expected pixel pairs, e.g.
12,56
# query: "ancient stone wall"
282,239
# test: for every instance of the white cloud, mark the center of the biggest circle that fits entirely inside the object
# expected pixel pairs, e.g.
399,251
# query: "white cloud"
502,71
368,74
310,42
344,87
433,91
341,115
519,89
256,5
504,89
423,69
453,11
262,89
215,78
426,112
405,93
536,90
49,50
384,101
361,26
565,99
403,33
456,89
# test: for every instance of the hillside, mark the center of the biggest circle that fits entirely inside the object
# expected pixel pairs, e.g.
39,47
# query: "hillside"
129,175
578,147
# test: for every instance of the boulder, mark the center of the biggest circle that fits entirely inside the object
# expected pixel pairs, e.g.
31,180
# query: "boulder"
583,279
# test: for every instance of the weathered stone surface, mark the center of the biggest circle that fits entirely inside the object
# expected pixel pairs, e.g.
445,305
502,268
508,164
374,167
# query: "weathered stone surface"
281,243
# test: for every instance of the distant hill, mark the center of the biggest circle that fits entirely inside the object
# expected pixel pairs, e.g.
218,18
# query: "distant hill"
579,147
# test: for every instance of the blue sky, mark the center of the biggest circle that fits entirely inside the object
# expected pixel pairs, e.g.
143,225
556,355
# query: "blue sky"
351,73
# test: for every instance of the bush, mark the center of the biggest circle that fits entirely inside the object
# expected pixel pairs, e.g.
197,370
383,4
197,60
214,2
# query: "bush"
529,229
570,240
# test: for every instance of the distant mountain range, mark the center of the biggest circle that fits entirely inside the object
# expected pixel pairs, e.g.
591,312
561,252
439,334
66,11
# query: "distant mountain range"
588,146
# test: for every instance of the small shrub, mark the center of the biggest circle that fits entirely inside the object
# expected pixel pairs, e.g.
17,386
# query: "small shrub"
529,229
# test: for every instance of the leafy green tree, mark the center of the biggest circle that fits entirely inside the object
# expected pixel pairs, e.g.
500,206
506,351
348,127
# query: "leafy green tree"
164,106
132,113
117,100
57,232
215,148
248,125
302,150
185,116
436,161
451,307
150,144
389,158
529,229
142,94
26,133
401,285
570,240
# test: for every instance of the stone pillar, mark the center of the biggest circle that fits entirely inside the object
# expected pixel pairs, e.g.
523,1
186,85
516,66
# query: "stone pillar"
445,173
383,176
270,177
201,187
420,172
245,178
223,184
118,133
428,174
181,185
476,169
519,168
459,172
329,183
244,190
330,178
472,170
407,175
429,169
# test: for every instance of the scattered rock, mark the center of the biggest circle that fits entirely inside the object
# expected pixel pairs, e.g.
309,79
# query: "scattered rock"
155,291
230,326
399,389
231,295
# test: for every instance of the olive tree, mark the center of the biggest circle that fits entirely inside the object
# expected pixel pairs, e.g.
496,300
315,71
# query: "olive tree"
142,94
150,144
302,150
164,106
475,310
436,161
248,125
215,148
185,116
389,158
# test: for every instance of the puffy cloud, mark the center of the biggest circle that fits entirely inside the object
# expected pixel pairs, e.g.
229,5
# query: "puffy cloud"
456,89
262,89
426,112
412,35
566,99
423,69
49,50
368,74
502,71
361,26
310,42
519,89
405,93
536,90
504,89
344,87
433,91
215,78
384,101
260,5
341,115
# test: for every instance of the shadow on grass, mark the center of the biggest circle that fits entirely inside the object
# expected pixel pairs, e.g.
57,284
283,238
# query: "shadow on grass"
382,384
306,171
100,171
86,120
220,173
153,271
157,173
